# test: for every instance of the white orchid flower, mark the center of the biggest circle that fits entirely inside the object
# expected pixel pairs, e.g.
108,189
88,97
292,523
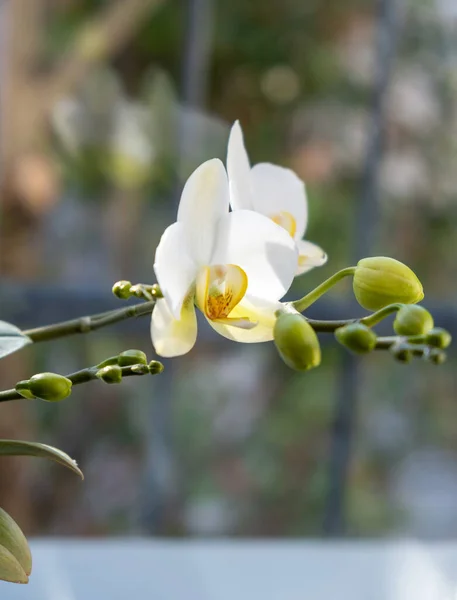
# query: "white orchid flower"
275,192
235,266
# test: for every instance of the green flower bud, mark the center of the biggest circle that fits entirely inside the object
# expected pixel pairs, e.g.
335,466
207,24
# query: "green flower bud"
110,374
132,357
412,319
139,369
437,356
121,289
45,386
12,538
357,337
112,360
401,352
156,291
438,337
155,367
22,388
380,281
296,342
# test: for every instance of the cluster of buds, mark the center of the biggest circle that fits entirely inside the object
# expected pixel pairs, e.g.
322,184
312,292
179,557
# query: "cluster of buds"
126,289
131,362
382,285
53,387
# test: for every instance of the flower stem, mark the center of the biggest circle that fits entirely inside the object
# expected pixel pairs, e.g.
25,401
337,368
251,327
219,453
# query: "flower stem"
381,314
90,323
305,302
369,321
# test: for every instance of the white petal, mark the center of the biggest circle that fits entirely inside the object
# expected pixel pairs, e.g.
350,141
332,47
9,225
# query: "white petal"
239,170
264,250
170,336
205,198
174,268
309,256
276,190
260,311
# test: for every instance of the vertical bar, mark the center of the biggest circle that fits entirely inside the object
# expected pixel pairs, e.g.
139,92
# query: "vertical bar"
4,38
366,219
197,48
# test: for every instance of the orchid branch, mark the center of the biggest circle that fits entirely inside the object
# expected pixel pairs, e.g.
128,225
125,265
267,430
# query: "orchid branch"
109,371
89,323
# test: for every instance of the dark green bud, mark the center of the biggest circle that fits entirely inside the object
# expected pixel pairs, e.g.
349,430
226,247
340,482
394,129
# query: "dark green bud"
121,289
12,538
132,357
439,338
401,352
50,387
22,388
110,374
380,281
296,342
413,319
155,367
437,356
357,337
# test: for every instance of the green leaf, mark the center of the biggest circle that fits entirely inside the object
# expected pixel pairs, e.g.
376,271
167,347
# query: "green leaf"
12,538
10,569
11,339
20,448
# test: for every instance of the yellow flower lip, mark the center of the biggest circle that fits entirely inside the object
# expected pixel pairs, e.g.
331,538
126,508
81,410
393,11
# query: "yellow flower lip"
219,289
286,220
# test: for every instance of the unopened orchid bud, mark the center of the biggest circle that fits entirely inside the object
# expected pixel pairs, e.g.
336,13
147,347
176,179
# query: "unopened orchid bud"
380,281
412,319
357,337
401,352
50,387
156,291
139,369
438,337
112,360
436,356
121,289
110,374
132,357
155,367
12,538
22,388
296,342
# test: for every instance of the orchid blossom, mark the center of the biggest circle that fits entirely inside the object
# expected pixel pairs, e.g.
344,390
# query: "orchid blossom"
234,266
275,192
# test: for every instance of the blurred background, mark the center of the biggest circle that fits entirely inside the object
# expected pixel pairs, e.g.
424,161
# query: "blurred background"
105,108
